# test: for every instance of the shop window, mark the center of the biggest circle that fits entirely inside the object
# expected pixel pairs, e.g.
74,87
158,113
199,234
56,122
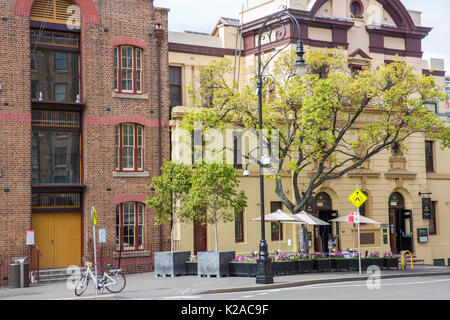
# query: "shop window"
276,230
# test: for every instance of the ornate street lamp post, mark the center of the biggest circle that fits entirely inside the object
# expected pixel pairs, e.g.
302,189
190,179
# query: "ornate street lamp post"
264,268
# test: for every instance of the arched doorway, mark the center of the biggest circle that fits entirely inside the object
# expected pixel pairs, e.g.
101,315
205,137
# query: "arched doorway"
400,224
326,238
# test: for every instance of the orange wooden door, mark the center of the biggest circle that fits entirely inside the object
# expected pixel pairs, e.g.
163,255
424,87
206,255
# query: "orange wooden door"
58,236
67,239
44,230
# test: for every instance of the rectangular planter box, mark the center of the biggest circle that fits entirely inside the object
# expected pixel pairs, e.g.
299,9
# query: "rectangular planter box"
302,266
211,263
171,263
353,264
340,264
367,262
191,268
322,265
389,263
283,267
243,269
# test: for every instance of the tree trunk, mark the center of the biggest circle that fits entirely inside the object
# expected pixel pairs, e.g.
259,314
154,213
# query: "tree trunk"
303,238
215,231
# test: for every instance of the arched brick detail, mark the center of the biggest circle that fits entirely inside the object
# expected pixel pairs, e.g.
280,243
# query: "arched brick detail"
130,41
394,8
89,13
133,119
132,197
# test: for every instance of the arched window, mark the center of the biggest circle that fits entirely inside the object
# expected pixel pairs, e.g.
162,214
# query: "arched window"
130,226
396,200
323,201
56,11
129,146
55,51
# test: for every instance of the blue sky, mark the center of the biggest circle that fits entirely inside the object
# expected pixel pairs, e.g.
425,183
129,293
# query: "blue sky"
202,15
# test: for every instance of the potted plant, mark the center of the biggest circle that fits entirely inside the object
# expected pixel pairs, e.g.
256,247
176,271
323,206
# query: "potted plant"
282,264
390,261
339,262
303,263
170,189
243,266
191,265
372,260
321,262
213,198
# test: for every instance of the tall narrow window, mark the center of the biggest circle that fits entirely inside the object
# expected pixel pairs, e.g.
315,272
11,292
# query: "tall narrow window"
276,231
138,70
239,227
130,226
175,86
128,66
127,69
129,147
116,69
429,159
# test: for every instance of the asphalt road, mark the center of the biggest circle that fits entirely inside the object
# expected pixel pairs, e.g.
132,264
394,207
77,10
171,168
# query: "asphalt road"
420,288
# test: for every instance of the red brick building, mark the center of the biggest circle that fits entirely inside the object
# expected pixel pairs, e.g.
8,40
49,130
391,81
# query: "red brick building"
84,110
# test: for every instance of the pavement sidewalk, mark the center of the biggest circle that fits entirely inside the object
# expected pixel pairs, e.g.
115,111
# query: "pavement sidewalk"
148,286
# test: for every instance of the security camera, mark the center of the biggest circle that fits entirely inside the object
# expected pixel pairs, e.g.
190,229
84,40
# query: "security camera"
265,160
246,173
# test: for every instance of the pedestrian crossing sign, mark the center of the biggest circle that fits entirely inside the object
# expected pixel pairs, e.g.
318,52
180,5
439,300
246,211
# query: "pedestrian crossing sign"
357,198
94,216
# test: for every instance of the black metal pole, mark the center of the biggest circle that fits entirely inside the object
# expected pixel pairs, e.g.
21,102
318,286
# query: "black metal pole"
264,273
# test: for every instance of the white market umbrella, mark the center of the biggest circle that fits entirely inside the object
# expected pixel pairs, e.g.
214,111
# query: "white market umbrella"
280,217
362,219
310,219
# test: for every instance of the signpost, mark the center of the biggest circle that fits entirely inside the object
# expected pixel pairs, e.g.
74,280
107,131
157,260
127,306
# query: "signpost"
357,198
94,223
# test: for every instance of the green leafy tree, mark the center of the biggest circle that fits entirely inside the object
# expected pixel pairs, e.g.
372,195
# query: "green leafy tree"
330,121
214,188
171,190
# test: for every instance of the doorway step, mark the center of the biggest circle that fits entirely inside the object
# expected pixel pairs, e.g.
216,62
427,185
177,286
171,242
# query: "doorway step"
49,276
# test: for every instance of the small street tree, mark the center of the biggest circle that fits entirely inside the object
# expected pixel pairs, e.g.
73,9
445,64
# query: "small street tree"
171,190
214,188
329,121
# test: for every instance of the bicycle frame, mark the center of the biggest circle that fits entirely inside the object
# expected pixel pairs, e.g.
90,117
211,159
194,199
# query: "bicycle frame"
90,273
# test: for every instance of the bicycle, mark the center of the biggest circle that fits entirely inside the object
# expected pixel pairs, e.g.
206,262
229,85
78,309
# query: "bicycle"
114,280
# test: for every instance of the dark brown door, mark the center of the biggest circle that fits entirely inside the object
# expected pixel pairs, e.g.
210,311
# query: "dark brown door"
200,239
392,230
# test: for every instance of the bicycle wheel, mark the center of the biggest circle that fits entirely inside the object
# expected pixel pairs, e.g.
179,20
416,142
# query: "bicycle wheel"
118,285
82,285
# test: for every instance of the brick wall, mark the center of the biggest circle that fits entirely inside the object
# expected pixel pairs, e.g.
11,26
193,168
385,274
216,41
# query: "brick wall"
101,112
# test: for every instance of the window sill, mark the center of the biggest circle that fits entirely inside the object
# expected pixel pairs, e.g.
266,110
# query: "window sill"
131,254
139,96
131,174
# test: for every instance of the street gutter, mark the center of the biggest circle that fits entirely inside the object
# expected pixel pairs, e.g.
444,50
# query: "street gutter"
303,283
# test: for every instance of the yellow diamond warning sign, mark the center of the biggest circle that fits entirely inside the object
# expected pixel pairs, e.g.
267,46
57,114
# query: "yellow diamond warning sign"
358,198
